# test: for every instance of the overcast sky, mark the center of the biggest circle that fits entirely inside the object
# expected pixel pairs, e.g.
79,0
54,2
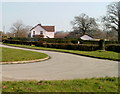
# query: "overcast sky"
58,14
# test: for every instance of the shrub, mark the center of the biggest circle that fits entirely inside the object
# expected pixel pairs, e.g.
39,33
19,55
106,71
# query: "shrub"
48,40
102,44
69,46
39,43
113,47
82,47
19,42
112,42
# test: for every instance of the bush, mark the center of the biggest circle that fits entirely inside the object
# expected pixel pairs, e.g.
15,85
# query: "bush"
102,44
39,43
89,42
113,47
19,42
69,46
48,40
112,42
82,47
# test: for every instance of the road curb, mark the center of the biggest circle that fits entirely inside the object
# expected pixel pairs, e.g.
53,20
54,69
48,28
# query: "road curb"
23,62
68,53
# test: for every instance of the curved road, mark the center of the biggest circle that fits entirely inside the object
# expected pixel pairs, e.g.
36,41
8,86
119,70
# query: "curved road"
61,66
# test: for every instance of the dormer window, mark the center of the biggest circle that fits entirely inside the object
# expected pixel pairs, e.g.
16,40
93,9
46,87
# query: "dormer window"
33,32
41,32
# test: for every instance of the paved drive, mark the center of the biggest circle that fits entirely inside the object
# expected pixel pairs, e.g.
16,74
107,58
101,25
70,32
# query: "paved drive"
61,66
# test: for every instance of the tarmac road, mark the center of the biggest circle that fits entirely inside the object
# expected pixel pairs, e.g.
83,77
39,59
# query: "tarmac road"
61,66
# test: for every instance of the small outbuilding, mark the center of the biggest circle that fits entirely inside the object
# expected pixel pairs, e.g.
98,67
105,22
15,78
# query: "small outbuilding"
86,37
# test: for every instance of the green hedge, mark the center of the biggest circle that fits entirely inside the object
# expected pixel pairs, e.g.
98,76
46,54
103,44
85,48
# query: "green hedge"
113,47
70,46
112,42
20,42
63,40
49,40
57,40
82,47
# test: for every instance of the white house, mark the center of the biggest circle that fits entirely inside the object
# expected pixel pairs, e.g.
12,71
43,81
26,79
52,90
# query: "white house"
42,31
86,37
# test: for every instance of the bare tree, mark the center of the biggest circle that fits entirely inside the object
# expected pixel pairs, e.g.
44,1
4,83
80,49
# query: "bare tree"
84,24
119,21
2,34
112,19
19,29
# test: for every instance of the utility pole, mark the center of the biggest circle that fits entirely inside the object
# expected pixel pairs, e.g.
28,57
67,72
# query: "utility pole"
4,29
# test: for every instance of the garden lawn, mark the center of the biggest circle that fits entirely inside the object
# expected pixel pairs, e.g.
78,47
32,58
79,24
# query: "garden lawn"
98,54
106,84
10,54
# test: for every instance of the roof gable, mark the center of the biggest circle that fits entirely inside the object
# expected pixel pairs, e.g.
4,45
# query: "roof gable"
47,28
86,37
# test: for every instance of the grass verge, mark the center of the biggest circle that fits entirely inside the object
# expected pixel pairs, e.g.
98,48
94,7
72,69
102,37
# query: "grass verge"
107,84
10,55
96,54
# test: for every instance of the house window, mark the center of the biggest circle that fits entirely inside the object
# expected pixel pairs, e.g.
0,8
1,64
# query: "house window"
41,32
33,32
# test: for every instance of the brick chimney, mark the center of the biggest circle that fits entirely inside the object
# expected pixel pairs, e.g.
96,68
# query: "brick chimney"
39,24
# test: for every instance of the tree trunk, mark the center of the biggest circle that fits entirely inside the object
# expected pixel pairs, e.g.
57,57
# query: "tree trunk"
84,32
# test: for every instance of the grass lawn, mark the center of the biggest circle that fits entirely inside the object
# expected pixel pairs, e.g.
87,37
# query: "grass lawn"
100,54
9,54
80,85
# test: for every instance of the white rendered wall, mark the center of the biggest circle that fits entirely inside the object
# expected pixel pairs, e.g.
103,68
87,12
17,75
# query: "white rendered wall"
45,33
50,34
37,31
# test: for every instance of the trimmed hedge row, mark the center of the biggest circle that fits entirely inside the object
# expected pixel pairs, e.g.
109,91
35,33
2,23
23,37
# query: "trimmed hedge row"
113,47
19,42
58,40
82,47
69,46
112,42
49,40
63,40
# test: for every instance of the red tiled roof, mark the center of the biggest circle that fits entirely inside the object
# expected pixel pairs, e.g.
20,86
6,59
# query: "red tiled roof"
47,28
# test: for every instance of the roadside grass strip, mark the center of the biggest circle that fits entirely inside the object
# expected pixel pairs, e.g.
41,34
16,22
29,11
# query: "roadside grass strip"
107,84
95,54
12,55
